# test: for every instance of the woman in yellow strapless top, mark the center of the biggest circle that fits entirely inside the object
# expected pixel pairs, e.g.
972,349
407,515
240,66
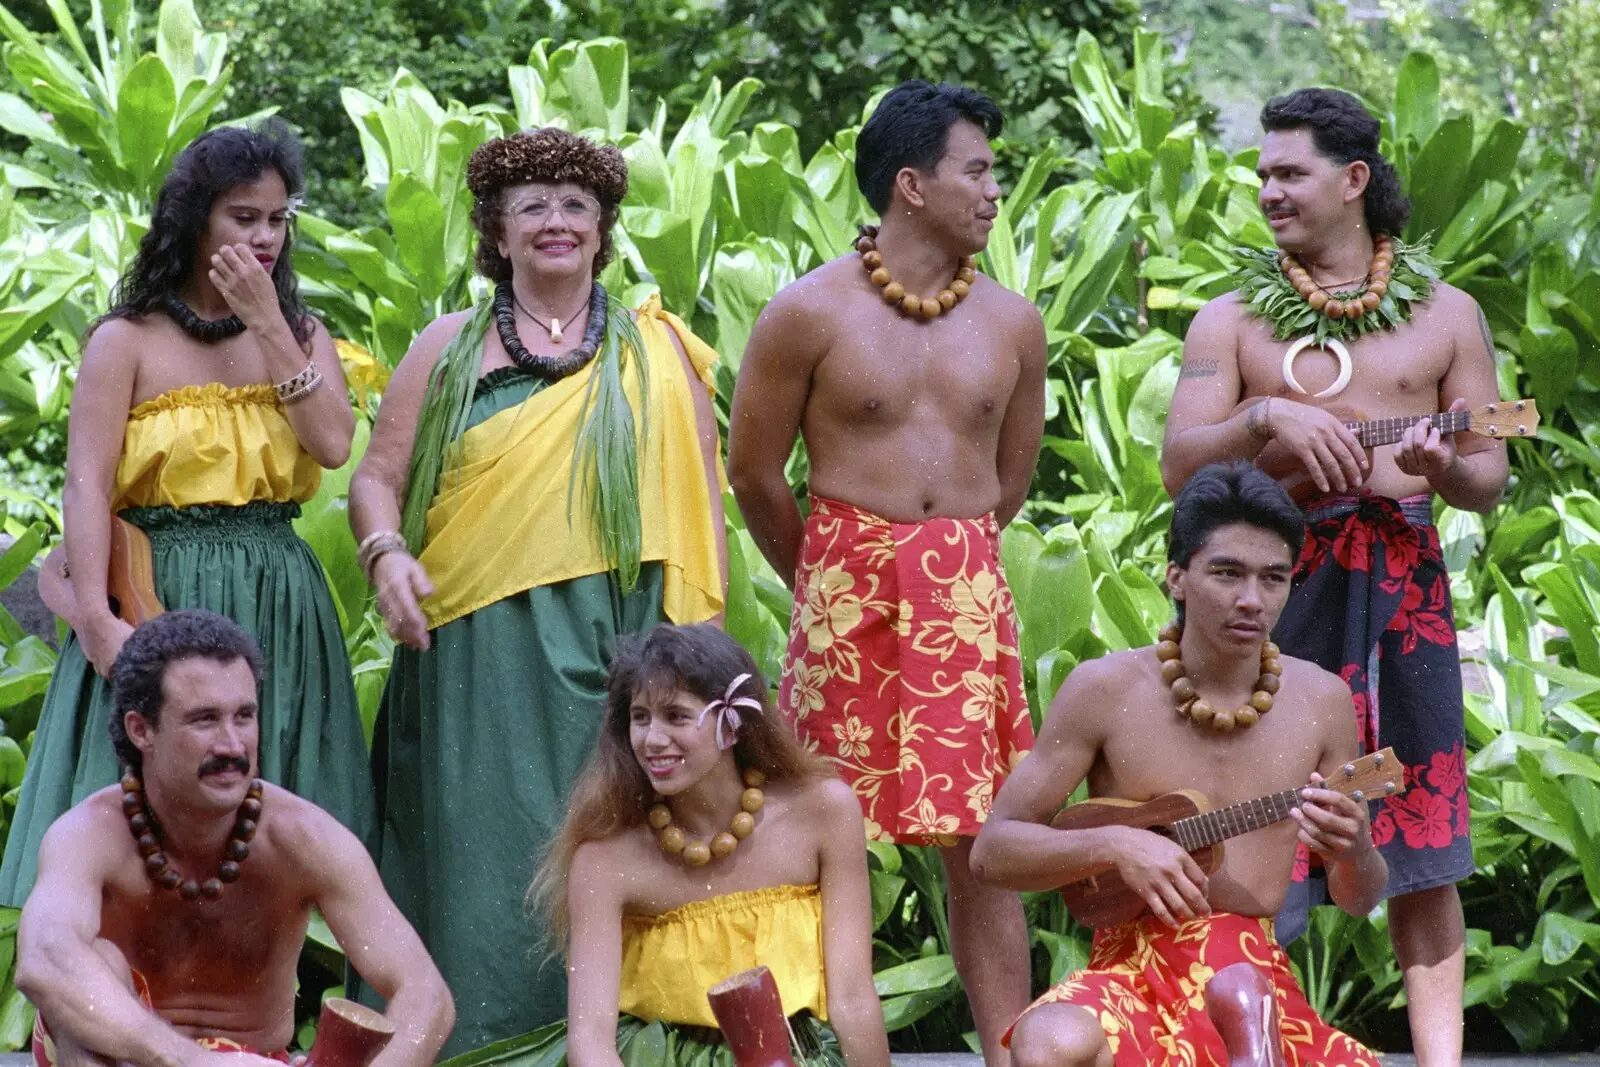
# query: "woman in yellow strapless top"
701,841
207,404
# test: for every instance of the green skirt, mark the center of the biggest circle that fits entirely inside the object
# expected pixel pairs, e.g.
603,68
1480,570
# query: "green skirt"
246,563
656,1044
477,744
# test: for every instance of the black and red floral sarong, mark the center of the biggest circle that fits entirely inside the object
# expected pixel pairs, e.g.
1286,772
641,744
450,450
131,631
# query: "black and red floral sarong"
1371,602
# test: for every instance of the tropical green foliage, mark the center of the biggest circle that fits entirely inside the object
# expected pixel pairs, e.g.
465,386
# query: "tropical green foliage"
1118,247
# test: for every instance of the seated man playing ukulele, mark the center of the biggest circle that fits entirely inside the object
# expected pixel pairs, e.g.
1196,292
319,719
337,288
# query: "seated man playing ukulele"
1195,977
169,914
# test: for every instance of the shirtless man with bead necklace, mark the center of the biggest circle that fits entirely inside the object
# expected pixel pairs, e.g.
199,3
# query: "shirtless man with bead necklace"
171,909
918,386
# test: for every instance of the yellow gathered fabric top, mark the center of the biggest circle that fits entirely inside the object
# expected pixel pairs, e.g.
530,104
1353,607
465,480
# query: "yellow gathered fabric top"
212,444
670,960
499,523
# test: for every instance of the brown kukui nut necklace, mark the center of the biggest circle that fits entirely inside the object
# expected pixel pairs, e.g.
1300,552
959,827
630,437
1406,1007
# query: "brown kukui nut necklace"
699,853
142,822
1353,307
1194,707
910,304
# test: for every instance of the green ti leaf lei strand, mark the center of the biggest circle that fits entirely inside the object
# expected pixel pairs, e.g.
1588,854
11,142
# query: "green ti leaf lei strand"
1270,295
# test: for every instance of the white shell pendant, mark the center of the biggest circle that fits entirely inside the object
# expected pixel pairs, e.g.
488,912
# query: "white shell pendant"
555,330
1332,345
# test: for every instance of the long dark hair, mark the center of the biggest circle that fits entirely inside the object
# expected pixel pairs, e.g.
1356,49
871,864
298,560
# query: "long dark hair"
214,162
1344,132
613,793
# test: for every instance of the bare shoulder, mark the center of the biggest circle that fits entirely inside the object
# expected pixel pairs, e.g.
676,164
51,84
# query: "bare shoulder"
611,860
81,835
1447,300
1006,305
816,292
1323,689
831,800
1228,311
441,331
1109,673
120,338
297,827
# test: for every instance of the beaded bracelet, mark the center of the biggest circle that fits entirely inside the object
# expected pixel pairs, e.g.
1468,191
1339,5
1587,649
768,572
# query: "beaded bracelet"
300,386
374,546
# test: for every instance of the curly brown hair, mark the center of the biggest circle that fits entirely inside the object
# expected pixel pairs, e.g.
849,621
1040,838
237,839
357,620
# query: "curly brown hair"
543,155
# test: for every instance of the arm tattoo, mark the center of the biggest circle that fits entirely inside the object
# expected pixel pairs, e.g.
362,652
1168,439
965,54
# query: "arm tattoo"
1255,420
1200,368
1488,338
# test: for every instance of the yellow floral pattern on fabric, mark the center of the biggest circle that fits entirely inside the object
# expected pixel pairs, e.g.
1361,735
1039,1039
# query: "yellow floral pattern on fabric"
1146,983
903,668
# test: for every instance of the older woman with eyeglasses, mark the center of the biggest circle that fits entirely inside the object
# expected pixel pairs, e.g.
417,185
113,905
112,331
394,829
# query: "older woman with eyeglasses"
542,478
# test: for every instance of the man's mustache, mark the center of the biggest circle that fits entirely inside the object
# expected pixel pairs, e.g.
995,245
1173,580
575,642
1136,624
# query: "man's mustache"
218,764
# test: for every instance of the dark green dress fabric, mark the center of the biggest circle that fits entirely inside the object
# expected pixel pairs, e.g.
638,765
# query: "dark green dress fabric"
246,563
477,744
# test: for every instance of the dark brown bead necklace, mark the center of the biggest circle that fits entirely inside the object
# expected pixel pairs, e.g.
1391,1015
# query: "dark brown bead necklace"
142,822
550,368
206,331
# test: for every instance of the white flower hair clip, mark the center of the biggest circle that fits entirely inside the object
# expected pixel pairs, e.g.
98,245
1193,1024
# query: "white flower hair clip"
726,708
295,204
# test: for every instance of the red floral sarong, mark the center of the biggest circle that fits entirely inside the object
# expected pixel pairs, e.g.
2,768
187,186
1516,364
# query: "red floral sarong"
44,1047
1146,983
1371,603
903,668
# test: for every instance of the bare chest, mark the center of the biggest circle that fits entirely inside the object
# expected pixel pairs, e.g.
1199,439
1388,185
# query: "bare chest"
1391,372
1279,752
781,851
236,943
884,369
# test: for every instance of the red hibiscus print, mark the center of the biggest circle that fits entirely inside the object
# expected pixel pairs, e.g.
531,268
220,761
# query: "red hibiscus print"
1463,815
1302,863
1352,548
1402,550
1447,771
1422,614
1383,828
1313,553
1425,819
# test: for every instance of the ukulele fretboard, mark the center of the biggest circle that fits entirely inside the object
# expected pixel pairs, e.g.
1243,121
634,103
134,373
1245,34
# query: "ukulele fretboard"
1387,431
1209,827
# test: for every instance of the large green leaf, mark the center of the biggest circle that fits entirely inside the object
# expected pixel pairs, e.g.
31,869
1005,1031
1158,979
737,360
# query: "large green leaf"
146,104
1438,180
1416,98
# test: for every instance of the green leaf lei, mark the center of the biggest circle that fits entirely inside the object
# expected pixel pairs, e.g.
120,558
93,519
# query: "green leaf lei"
605,460
1271,297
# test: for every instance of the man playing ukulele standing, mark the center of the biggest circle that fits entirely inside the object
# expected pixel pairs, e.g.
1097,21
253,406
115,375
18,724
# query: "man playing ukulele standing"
1186,981
1374,335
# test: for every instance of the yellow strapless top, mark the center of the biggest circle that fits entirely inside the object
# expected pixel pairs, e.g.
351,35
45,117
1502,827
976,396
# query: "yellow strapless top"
670,960
212,444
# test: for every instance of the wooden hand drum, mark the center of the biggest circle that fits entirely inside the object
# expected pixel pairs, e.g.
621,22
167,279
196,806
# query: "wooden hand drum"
750,1014
348,1035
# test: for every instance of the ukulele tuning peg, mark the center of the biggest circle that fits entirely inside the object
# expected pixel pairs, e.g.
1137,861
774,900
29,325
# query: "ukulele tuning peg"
1358,796
1491,408
1494,431
1522,430
1377,759
1521,404
1350,770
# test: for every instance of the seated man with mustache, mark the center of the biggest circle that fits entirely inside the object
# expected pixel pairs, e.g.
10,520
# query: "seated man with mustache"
170,910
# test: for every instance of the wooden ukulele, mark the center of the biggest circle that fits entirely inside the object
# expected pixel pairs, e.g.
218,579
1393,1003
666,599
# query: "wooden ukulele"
130,579
1511,418
1185,816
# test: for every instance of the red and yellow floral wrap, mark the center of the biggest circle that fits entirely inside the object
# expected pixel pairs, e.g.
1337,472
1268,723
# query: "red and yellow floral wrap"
1146,983
903,668
44,1046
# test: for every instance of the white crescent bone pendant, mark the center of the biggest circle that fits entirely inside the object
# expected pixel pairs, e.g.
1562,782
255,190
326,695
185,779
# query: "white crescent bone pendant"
1332,345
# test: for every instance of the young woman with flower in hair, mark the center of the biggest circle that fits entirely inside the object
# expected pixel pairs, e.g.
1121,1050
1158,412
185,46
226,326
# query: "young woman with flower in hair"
542,479
703,840
208,402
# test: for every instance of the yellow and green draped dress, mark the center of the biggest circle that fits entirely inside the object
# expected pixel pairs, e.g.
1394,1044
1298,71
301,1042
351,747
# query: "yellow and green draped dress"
670,960
214,475
479,739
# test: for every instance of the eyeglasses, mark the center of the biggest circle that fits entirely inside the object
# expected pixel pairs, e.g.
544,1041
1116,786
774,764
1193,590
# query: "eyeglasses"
580,212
